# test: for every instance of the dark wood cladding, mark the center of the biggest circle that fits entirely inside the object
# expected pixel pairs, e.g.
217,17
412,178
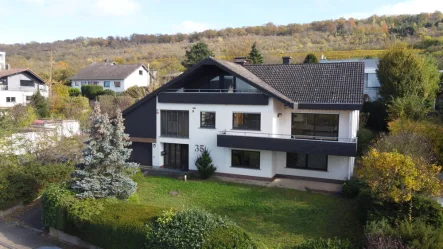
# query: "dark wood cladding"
214,98
344,107
288,145
141,122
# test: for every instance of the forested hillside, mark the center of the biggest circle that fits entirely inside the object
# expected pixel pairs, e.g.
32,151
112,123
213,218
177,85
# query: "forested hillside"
342,38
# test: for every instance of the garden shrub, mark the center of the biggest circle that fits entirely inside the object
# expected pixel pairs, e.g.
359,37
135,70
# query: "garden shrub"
228,237
108,92
92,91
196,229
204,165
365,137
376,241
351,188
74,92
321,243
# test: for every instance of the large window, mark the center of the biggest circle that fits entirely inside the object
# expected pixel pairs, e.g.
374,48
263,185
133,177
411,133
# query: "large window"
306,161
207,119
10,99
246,121
246,159
227,83
27,83
175,124
371,80
315,126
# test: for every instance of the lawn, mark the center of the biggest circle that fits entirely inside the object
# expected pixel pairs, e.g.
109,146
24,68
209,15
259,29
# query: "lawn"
280,218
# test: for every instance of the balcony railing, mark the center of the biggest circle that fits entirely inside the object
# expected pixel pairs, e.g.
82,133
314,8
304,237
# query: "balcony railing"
22,89
288,143
181,90
285,136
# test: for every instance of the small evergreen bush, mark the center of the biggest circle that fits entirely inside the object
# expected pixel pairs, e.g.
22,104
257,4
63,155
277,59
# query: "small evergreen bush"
204,165
351,188
321,243
108,92
228,237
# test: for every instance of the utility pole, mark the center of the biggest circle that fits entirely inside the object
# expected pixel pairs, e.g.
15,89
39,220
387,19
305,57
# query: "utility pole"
51,66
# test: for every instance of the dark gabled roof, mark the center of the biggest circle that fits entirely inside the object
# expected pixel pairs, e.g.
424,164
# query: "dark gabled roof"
14,71
328,83
337,86
106,71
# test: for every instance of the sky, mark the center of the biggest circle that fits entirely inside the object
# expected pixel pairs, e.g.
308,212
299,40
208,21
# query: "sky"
49,20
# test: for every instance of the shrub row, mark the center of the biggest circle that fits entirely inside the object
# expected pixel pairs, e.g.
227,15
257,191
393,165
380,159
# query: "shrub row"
93,91
110,223
25,182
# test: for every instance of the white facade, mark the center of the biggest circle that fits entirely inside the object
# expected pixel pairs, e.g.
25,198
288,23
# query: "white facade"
275,122
13,93
134,79
2,61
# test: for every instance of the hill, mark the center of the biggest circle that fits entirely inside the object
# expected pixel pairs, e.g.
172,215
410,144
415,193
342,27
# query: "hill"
336,39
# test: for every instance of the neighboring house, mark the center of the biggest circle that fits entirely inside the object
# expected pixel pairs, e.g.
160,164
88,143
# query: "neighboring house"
18,85
258,121
2,61
117,78
372,85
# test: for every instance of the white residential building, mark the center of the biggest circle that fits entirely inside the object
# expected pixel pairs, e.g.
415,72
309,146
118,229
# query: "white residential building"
258,121
18,85
117,78
372,84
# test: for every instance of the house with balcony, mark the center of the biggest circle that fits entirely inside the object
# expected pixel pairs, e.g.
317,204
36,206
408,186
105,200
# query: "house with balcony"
116,77
372,84
18,85
259,122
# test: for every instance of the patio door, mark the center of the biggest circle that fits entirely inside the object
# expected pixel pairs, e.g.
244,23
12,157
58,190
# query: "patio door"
176,156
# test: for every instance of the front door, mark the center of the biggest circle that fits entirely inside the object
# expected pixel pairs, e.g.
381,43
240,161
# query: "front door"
176,156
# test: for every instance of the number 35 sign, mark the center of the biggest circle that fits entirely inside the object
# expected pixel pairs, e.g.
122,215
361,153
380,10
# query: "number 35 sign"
199,148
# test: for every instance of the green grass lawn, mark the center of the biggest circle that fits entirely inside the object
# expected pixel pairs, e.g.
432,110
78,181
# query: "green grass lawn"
280,218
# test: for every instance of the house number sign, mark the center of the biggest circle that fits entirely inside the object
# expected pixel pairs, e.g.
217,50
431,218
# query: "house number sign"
199,148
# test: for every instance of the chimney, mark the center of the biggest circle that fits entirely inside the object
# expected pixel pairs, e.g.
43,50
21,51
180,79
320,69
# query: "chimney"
287,59
240,60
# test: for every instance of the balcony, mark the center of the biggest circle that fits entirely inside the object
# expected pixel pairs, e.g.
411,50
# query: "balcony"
213,96
288,143
22,89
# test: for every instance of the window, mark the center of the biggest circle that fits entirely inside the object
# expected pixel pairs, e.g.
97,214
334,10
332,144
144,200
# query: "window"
28,98
10,99
76,83
315,126
140,72
107,84
27,83
246,121
372,80
306,161
241,86
245,159
175,123
84,82
117,83
207,119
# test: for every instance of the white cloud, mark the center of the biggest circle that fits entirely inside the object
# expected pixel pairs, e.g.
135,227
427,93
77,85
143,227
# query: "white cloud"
405,7
89,8
191,26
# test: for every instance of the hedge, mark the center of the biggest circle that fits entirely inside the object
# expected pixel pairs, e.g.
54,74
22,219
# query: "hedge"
111,223
92,91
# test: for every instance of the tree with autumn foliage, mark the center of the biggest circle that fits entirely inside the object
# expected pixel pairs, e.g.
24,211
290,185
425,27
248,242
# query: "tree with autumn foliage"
395,177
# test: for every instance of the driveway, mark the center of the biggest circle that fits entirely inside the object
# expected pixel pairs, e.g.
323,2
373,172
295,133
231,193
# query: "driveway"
23,230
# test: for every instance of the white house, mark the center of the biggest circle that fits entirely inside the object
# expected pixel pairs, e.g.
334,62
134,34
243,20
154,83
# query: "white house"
372,84
286,120
18,85
112,76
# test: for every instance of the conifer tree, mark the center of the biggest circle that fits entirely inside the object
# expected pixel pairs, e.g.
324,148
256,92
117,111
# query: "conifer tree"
197,53
310,58
105,172
255,57
204,165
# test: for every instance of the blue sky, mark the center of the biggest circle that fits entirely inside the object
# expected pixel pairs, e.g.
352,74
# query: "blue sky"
49,20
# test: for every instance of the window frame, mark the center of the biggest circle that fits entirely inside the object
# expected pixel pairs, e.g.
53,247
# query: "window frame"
166,127
314,136
207,126
140,72
107,85
27,81
244,166
243,127
306,167
119,84
11,100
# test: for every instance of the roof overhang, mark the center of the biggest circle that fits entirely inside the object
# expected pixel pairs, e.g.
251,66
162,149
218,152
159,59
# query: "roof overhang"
329,106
